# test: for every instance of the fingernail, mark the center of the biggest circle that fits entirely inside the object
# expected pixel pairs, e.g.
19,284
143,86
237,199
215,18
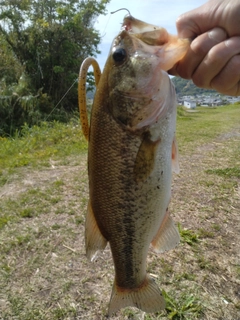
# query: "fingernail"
217,34
233,43
228,42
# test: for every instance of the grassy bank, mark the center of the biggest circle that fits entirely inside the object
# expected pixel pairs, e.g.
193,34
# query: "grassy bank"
44,273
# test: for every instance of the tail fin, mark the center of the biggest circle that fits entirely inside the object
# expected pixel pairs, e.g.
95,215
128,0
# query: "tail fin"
148,297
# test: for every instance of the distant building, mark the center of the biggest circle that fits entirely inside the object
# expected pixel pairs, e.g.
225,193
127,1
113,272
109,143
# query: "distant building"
189,104
217,103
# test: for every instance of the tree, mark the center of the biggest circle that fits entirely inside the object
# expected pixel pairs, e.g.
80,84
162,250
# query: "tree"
10,68
49,39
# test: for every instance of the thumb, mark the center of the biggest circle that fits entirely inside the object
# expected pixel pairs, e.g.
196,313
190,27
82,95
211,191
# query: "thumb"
193,23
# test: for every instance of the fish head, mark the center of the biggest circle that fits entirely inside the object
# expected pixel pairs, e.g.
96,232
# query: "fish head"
132,63
137,80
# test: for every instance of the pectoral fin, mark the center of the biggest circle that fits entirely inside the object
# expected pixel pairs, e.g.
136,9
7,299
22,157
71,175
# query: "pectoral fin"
145,159
175,163
94,240
167,236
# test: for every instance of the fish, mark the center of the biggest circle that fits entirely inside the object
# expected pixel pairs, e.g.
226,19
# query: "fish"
132,152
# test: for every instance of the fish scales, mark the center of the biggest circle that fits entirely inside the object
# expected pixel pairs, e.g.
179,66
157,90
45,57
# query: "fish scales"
129,163
117,200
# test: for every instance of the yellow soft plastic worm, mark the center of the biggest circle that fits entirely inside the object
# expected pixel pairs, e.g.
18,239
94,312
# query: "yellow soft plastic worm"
82,91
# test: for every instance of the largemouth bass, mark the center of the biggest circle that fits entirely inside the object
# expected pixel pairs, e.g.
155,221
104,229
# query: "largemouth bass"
132,151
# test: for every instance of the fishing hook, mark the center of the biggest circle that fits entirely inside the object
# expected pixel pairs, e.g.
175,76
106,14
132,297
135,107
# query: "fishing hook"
120,10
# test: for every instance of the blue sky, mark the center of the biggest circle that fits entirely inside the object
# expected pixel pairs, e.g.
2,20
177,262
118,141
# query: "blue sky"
162,13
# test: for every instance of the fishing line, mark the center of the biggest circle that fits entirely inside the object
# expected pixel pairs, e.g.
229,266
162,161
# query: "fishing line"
74,80
61,98
104,33
77,78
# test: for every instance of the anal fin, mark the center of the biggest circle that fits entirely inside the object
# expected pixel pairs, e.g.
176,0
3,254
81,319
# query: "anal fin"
147,297
94,240
167,236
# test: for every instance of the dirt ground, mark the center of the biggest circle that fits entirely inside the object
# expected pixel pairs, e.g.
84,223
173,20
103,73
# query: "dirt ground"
47,275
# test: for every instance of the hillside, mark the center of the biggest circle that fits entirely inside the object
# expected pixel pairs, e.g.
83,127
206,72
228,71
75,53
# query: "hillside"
183,88
188,88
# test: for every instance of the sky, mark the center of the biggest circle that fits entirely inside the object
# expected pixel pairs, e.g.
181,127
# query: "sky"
162,13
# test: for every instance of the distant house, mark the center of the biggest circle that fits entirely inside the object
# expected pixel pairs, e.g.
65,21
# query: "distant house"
189,104
217,103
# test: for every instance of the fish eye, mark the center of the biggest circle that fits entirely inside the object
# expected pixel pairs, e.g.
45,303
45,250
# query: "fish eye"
119,55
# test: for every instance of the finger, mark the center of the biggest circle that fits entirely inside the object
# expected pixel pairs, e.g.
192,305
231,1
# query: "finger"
187,25
213,13
215,61
197,51
228,80
199,20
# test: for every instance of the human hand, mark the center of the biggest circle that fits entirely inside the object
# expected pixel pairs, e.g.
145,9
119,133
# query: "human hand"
213,59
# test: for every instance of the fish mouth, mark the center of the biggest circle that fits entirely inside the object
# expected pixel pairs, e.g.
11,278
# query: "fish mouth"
155,41
128,45
148,33
146,45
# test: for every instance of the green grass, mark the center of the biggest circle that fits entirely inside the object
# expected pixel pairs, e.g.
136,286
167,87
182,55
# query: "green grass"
226,172
188,236
37,147
40,144
183,307
205,125
44,273
35,202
